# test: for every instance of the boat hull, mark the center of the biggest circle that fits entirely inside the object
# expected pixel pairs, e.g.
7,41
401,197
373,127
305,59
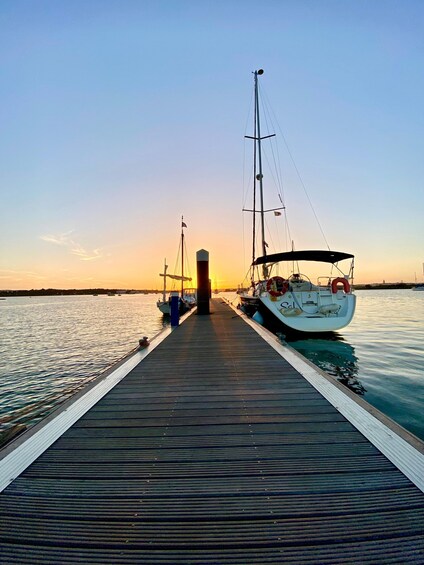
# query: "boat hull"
249,304
308,322
165,307
315,312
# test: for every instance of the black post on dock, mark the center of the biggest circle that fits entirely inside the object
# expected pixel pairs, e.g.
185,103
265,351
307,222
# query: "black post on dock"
202,258
175,311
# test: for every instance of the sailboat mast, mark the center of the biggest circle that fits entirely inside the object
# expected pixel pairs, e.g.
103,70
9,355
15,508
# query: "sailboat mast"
164,280
254,192
259,176
182,257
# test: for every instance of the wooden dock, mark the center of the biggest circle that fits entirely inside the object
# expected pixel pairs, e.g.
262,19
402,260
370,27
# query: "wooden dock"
212,450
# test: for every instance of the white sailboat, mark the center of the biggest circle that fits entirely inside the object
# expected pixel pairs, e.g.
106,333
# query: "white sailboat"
294,303
186,298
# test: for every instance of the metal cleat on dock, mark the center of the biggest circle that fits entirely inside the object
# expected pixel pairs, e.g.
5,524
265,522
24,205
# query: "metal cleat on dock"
143,342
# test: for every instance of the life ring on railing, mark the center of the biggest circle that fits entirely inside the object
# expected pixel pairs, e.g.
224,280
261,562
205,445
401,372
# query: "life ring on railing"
277,286
336,282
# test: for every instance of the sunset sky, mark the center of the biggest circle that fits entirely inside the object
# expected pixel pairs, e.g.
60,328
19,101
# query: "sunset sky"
119,116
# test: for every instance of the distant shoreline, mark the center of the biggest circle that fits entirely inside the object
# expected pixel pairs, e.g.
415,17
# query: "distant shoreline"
73,292
110,291
383,286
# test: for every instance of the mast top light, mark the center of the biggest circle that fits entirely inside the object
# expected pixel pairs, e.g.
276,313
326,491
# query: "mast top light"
260,72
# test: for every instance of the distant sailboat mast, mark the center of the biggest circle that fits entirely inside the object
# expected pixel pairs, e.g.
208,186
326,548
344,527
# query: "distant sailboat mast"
165,268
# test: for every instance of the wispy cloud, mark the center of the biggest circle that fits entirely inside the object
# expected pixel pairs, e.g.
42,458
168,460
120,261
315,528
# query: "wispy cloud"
65,240
86,255
61,239
19,275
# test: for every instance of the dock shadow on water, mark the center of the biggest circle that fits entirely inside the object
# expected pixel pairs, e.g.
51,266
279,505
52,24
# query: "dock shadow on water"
333,355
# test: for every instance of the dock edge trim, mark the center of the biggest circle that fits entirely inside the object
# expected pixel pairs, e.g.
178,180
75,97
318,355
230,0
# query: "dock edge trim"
400,452
28,450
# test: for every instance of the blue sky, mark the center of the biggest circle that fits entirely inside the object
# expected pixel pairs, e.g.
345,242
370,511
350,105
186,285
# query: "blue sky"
117,117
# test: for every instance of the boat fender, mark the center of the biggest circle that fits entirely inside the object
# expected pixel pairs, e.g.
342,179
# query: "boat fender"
291,311
143,342
329,309
257,316
336,282
277,286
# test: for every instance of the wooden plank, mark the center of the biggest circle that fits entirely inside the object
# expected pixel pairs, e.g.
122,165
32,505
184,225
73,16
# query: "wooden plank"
176,508
138,534
407,550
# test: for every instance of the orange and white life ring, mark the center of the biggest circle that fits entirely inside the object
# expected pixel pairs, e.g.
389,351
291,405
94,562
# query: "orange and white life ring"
335,285
277,286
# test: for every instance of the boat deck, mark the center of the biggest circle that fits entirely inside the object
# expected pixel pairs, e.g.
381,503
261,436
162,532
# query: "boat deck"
213,449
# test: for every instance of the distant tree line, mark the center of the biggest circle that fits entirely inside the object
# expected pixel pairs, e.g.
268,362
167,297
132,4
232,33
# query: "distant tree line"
71,291
382,286
79,291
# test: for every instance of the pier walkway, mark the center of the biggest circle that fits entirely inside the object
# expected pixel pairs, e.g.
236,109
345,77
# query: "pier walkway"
212,450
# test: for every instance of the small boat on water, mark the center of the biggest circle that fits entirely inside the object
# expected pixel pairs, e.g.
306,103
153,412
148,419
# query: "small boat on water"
187,297
293,303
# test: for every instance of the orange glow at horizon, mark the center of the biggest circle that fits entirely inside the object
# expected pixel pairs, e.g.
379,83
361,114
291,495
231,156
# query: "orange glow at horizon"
123,275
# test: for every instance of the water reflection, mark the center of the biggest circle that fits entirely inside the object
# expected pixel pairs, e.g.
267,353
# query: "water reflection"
334,356
165,321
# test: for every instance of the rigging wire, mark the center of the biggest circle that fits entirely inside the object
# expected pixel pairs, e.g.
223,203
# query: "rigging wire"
265,98
287,230
244,243
186,262
248,184
177,267
278,179
275,168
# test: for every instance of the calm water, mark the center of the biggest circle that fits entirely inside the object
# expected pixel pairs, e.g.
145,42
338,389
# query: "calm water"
387,339
51,345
